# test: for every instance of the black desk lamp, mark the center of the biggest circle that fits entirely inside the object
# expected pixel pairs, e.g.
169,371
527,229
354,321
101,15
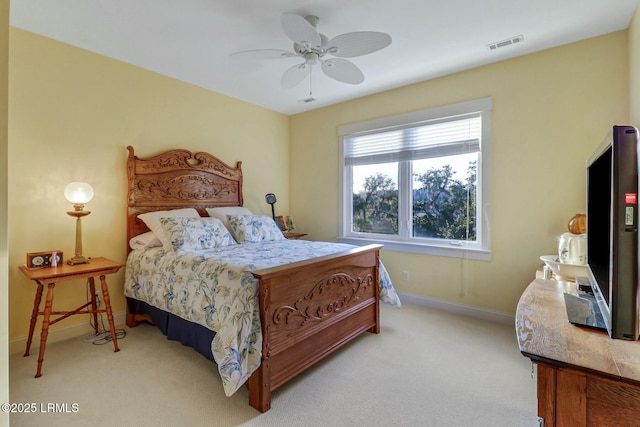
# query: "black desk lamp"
271,199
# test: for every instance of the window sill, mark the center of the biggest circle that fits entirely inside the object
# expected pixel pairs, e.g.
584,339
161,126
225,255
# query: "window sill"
417,248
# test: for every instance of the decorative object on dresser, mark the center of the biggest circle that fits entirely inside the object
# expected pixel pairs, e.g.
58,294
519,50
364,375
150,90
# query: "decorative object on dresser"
307,307
564,271
572,249
578,224
78,193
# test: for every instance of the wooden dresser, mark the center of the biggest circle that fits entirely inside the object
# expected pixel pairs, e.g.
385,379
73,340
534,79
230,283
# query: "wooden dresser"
585,378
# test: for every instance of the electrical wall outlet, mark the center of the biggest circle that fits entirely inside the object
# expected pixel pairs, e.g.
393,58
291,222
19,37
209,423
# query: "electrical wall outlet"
405,275
98,301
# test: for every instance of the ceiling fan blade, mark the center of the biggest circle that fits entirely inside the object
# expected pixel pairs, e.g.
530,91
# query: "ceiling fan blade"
357,43
264,54
343,71
300,30
295,75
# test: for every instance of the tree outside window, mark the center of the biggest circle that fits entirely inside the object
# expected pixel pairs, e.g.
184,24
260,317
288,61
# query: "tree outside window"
419,180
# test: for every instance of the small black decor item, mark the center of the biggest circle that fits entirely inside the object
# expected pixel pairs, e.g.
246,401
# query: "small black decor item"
271,199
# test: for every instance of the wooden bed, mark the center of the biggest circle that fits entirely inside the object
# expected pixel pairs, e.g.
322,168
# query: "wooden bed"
308,309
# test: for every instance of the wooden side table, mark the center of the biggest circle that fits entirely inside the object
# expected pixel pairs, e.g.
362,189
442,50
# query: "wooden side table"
98,267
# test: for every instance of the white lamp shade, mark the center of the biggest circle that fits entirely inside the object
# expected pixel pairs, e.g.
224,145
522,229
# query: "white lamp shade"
78,192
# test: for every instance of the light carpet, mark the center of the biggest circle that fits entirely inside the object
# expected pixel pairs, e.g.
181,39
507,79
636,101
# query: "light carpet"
425,368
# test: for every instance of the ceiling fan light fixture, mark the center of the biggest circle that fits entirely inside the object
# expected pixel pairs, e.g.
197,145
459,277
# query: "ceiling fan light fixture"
311,57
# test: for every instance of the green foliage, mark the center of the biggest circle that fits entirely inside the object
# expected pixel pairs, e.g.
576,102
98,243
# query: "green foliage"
443,207
375,209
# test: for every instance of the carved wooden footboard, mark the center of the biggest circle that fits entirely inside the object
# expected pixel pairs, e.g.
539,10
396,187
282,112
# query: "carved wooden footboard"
310,308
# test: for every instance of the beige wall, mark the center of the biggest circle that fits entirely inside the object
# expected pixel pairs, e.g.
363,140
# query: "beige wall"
550,110
72,113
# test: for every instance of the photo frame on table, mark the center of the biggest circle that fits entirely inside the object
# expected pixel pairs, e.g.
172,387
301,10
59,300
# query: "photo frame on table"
285,223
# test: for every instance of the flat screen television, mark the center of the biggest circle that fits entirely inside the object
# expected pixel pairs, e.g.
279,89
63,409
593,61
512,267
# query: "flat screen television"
612,230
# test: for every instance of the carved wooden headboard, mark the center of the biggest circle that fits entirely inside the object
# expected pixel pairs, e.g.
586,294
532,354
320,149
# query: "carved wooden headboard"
179,179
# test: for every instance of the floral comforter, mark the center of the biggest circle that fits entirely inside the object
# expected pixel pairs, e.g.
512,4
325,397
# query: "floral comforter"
215,288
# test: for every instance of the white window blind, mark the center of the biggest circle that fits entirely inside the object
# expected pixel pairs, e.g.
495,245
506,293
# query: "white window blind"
459,135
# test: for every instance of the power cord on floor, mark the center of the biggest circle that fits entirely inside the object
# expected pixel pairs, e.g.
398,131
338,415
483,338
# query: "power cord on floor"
104,337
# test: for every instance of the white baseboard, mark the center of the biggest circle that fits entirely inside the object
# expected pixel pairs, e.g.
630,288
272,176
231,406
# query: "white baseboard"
463,310
18,345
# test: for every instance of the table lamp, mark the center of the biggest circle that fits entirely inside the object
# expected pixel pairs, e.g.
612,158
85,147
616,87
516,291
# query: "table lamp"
78,193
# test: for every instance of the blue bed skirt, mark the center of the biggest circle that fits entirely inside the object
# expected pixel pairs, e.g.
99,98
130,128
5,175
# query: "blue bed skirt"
174,328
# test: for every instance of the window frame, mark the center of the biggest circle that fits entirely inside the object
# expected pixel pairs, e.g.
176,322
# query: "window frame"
479,250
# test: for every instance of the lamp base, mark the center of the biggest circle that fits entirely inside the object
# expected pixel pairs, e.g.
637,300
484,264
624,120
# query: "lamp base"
78,259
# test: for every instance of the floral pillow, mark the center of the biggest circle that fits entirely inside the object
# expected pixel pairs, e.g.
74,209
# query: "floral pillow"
195,234
254,228
152,220
223,212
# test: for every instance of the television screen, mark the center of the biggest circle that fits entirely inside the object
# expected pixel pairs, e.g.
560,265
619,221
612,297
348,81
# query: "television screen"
612,230
598,220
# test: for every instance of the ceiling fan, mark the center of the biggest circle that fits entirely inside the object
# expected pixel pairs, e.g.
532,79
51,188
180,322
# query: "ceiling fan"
315,48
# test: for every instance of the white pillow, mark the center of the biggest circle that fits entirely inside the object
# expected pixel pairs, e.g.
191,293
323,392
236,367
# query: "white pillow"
222,212
145,241
254,228
196,234
152,220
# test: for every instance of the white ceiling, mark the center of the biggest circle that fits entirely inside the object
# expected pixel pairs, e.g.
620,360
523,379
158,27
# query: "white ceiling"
191,40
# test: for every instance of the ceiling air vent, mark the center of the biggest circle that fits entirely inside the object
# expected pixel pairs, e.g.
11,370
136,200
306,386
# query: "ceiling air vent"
507,42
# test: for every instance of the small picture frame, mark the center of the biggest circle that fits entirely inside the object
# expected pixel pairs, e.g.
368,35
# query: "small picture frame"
285,223
289,221
281,223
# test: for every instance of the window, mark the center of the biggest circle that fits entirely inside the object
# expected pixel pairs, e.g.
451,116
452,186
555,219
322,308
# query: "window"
419,182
